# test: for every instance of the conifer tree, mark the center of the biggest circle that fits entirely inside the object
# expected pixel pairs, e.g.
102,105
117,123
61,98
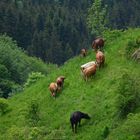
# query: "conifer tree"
96,19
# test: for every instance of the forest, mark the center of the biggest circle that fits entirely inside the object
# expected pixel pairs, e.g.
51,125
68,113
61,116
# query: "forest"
56,30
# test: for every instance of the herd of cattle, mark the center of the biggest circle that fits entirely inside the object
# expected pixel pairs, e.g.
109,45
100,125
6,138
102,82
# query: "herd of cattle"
87,70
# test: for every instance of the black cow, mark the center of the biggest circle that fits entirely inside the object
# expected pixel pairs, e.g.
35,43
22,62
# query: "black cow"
75,118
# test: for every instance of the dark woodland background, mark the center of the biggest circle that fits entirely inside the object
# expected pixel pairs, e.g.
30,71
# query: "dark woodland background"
56,30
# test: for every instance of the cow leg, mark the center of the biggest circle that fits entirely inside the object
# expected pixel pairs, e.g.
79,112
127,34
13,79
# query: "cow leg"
53,94
103,63
76,128
72,126
99,66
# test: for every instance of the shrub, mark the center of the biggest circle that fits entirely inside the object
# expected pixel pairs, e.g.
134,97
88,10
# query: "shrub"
32,113
15,133
3,106
112,34
129,94
138,40
15,89
25,133
129,130
33,78
131,46
35,133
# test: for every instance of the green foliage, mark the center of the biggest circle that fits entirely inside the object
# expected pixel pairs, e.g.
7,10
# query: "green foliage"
105,132
57,134
15,66
4,73
40,27
110,35
119,13
97,97
24,133
33,78
4,106
129,94
132,124
35,133
15,133
96,19
6,87
129,130
138,41
17,62
33,114
131,46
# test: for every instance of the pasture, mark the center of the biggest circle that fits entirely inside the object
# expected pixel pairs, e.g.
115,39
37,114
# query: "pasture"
97,97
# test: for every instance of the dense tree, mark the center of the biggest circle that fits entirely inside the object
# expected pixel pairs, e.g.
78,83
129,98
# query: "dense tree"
35,23
97,18
15,66
123,13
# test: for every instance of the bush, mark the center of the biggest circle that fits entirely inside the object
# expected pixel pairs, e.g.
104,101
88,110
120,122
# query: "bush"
33,78
138,40
35,133
25,133
129,94
9,88
32,113
3,106
112,34
129,130
15,89
16,133
131,46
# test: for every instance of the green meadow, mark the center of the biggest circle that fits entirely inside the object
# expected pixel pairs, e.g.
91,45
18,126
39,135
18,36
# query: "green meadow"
99,97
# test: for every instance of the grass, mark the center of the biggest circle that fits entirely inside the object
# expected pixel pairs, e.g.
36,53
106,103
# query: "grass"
97,97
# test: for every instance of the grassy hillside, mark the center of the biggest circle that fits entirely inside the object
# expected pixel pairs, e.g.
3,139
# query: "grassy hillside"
97,97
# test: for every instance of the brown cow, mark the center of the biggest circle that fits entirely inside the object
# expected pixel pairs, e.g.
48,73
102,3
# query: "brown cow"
53,89
100,58
83,52
60,81
98,44
87,72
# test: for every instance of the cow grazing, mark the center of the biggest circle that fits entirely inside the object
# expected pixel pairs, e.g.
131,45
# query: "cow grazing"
60,81
75,119
98,44
53,89
89,71
100,58
84,66
83,52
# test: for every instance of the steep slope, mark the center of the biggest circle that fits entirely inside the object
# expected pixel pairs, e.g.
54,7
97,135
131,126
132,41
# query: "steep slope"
97,97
